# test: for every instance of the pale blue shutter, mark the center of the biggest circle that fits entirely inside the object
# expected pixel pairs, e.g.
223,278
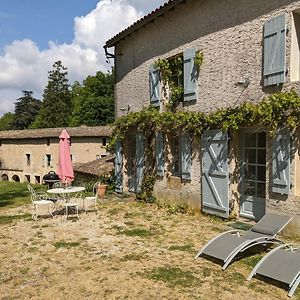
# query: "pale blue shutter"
154,80
118,167
160,159
140,160
190,74
186,156
281,163
274,50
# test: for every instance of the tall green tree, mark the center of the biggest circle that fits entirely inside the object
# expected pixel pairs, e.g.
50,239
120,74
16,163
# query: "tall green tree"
6,121
26,110
93,101
57,104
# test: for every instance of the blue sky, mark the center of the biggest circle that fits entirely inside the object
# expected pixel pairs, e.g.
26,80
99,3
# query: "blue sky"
40,20
36,33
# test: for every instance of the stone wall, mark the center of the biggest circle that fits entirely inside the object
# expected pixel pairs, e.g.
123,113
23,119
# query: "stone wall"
14,162
230,35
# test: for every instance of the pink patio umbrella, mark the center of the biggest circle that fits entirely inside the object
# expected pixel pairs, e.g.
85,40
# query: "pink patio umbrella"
65,168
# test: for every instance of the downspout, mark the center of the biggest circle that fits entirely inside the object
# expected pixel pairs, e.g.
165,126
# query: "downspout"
108,56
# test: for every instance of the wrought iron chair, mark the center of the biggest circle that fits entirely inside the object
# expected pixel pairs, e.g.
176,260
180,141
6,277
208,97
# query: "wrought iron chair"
40,199
91,200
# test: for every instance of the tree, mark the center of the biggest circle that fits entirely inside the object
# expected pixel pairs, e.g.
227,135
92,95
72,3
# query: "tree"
6,120
93,102
26,110
57,105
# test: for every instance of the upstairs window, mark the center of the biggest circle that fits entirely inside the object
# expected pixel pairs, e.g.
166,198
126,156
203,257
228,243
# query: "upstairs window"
180,73
48,142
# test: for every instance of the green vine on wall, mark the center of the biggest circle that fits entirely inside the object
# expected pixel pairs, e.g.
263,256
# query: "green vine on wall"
273,112
171,71
277,110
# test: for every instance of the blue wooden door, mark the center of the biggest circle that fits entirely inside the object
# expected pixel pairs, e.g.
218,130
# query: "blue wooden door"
215,176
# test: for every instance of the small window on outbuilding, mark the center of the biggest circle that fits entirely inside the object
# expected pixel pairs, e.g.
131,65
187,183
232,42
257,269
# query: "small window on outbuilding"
28,159
104,141
48,142
37,179
48,160
27,178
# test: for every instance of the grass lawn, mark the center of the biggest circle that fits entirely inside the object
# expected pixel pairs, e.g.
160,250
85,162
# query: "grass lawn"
14,194
128,250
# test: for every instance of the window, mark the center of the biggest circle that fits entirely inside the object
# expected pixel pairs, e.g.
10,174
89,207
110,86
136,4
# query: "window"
28,159
176,80
175,150
104,142
183,74
48,160
48,142
181,151
37,179
255,164
27,178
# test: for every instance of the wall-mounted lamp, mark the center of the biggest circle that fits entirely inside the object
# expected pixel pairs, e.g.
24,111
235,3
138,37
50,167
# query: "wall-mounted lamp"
244,81
125,109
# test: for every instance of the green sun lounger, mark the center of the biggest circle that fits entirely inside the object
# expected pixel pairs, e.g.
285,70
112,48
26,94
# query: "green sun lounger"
228,245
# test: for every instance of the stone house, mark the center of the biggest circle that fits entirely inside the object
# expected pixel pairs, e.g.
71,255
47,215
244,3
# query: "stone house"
27,155
251,50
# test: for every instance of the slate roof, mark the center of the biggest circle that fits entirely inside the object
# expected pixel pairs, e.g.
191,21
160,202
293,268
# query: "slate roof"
101,131
169,5
101,166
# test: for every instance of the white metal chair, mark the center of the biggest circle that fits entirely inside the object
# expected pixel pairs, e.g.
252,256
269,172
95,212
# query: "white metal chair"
71,207
40,199
87,201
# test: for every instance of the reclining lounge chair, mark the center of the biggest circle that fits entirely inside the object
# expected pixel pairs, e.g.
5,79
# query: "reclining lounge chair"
281,264
229,244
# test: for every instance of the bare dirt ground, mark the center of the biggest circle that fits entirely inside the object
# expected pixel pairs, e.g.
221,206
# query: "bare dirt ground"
128,250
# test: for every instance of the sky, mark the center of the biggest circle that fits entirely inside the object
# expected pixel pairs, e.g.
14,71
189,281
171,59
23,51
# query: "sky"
36,33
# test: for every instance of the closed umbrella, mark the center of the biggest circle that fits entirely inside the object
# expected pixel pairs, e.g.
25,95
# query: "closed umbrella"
65,168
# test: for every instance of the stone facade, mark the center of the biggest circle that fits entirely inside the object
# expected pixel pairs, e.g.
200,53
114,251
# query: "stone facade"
28,155
230,36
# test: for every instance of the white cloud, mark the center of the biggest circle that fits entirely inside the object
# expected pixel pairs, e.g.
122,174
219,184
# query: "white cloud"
23,66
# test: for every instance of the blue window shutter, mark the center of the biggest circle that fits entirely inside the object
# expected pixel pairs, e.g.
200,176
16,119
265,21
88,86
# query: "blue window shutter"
274,50
160,159
190,74
281,163
186,156
140,160
154,79
119,167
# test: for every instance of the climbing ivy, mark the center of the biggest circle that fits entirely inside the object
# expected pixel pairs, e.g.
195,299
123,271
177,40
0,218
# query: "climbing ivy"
171,72
273,112
277,110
